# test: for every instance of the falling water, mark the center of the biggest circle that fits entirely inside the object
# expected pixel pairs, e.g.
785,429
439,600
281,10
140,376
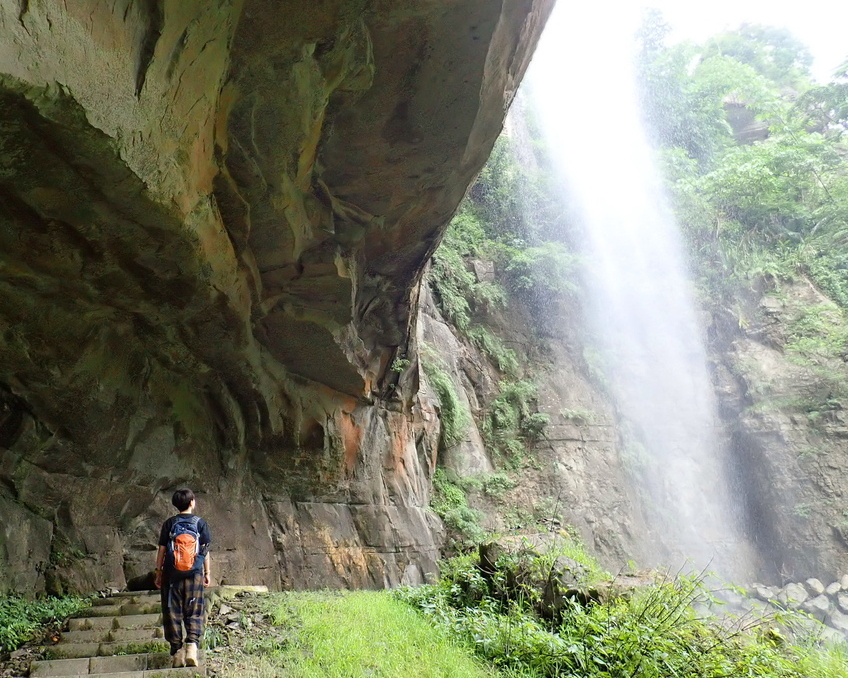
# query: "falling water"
638,295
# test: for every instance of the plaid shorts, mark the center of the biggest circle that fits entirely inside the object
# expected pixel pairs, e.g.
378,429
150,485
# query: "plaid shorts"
183,605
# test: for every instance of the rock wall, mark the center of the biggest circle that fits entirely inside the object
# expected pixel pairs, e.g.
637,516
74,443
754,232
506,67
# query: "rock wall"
213,221
781,376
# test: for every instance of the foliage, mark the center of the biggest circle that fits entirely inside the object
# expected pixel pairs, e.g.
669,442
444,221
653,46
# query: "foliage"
652,634
20,619
341,635
510,218
773,52
496,485
503,357
771,209
512,421
458,293
819,334
684,107
548,270
450,503
454,415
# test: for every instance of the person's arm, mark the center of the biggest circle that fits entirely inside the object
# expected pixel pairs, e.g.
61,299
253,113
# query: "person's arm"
207,570
160,561
205,542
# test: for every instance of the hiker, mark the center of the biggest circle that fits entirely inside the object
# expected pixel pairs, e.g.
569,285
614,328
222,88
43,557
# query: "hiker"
182,572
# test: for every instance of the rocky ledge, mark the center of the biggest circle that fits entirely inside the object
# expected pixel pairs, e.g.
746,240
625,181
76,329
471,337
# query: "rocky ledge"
213,222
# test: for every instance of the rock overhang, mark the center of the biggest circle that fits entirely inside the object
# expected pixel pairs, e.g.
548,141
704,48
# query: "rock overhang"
214,220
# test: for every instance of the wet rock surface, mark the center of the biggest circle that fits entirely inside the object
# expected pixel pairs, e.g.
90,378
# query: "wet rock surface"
780,384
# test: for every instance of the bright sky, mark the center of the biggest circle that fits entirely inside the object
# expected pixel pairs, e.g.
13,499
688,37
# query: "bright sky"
821,24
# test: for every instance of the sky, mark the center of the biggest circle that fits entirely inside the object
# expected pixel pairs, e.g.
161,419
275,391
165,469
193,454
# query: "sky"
821,24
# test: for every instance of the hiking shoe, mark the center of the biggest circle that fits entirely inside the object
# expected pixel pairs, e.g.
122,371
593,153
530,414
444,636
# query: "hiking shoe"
191,654
180,658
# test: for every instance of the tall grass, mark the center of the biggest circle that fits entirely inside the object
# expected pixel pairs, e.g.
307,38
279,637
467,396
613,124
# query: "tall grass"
654,633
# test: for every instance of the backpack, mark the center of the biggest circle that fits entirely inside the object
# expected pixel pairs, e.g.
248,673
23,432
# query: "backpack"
184,556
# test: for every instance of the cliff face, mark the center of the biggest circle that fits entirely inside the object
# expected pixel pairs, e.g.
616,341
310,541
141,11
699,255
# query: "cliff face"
778,366
781,380
214,218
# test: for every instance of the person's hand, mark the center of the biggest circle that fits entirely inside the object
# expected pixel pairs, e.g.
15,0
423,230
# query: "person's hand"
157,579
206,580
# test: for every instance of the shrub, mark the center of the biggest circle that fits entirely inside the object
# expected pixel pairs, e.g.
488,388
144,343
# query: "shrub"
512,422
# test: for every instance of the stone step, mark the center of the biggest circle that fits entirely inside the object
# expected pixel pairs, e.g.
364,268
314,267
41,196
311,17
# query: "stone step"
95,649
126,665
137,599
112,635
115,610
127,621
123,594
185,672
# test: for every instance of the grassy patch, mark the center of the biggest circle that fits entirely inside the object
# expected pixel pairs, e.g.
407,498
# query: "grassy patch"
365,633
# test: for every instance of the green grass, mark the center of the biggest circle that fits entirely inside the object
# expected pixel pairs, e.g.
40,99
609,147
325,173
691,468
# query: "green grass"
365,633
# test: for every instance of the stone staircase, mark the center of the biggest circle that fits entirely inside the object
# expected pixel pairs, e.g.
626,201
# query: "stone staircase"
120,637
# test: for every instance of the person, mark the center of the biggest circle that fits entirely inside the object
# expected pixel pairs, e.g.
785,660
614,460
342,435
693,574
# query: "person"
182,590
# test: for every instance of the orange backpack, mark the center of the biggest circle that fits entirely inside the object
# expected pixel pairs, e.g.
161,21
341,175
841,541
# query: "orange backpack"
184,557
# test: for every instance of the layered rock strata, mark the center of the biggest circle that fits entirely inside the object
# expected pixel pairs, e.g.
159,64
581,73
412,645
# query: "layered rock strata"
213,222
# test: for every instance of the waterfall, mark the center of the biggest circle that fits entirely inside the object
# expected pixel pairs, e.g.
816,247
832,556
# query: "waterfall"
639,300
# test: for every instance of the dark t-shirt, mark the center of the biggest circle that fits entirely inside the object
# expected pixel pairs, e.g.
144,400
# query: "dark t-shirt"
202,528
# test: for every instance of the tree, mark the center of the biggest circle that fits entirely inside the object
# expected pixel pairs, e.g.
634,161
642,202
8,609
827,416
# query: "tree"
773,52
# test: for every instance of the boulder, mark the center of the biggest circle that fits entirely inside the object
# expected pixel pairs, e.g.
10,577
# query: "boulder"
833,589
838,621
842,601
484,271
793,596
764,593
818,607
814,586
843,582
528,567
831,636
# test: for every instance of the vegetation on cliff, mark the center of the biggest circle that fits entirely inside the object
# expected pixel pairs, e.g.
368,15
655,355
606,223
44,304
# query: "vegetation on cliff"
754,154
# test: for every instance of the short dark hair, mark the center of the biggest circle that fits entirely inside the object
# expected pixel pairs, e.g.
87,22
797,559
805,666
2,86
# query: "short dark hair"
182,499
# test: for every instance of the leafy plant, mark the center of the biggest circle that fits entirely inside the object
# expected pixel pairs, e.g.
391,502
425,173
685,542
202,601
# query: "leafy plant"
512,422
20,619
496,485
